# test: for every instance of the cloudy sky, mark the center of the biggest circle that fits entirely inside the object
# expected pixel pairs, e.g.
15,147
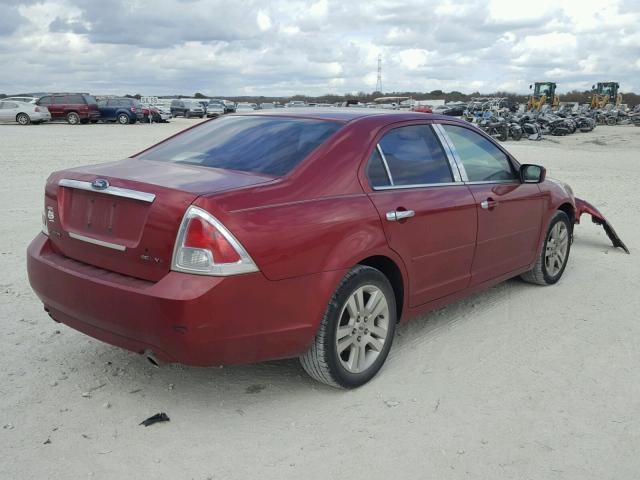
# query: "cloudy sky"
284,47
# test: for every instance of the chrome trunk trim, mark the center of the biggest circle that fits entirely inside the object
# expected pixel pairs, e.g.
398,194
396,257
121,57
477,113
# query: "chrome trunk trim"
110,190
95,241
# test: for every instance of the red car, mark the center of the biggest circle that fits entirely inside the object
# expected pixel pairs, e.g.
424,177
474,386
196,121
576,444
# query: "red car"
75,108
296,233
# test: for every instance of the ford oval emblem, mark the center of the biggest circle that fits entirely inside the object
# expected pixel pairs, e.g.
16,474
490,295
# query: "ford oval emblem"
100,184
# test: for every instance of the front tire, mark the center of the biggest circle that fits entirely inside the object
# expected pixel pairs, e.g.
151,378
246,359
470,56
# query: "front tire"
554,256
356,331
23,119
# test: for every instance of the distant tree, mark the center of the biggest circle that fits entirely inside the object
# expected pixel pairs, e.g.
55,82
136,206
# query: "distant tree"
436,92
3,95
198,95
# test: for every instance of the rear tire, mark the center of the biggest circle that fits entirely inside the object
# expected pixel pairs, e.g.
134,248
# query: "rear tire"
23,119
123,119
356,331
73,118
554,254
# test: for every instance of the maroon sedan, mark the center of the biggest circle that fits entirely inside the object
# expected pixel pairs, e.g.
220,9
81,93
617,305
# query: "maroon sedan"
309,233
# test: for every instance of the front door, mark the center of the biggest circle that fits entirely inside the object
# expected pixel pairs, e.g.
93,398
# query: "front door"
509,212
429,219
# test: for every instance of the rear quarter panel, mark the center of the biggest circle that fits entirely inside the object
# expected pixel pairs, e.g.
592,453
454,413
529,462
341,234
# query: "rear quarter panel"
305,237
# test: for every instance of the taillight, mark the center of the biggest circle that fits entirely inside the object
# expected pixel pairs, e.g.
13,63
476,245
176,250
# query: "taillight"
133,109
37,109
204,246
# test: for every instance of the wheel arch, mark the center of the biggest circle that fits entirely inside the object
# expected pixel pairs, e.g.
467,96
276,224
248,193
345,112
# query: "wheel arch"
570,211
391,270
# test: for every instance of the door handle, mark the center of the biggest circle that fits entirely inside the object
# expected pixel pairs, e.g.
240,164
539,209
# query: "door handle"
488,204
400,215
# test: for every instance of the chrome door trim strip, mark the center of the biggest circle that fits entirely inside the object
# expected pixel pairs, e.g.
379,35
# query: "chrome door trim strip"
110,190
95,241
444,140
452,148
483,182
419,185
386,165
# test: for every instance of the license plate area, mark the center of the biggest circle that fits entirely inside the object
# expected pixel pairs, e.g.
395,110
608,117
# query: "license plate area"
104,217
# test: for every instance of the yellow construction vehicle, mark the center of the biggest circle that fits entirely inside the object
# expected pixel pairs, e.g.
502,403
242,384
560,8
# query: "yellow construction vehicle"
544,93
605,93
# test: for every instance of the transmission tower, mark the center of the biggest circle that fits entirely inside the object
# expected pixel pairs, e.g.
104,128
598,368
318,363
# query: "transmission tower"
379,82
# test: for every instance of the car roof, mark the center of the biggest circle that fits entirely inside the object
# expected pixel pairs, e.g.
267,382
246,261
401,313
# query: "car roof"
346,115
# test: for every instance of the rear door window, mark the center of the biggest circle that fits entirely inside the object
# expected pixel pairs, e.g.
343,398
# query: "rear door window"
376,171
261,144
74,99
482,160
415,157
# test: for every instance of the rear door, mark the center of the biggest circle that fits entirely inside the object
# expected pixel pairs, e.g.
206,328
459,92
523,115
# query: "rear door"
509,212
429,215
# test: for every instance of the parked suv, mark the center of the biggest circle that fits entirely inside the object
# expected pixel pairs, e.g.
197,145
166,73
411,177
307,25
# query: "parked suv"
75,108
186,108
121,110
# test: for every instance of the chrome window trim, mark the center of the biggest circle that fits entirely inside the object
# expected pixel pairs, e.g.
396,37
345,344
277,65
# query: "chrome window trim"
95,241
458,161
464,172
418,185
449,153
483,182
110,190
384,162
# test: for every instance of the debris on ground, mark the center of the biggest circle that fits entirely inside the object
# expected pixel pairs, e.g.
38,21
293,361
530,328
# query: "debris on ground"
391,403
255,388
158,417
47,441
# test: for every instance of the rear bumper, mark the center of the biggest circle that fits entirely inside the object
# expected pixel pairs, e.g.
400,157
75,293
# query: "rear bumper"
190,319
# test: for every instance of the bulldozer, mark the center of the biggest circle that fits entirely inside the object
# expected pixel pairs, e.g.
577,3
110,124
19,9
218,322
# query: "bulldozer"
544,93
606,93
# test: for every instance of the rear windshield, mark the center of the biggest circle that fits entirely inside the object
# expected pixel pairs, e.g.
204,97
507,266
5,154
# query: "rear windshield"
268,145
89,99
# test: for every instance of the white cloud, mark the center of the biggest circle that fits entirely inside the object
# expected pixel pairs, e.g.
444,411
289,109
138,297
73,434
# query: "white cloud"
284,47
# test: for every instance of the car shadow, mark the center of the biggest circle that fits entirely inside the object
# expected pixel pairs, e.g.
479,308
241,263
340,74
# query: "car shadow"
129,373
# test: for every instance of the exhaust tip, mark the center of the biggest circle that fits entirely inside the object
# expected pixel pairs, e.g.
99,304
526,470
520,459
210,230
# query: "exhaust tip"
151,358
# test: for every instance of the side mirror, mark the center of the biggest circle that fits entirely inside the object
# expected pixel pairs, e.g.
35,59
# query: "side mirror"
532,173
530,87
593,87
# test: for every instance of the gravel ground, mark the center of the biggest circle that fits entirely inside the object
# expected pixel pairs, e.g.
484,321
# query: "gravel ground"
519,382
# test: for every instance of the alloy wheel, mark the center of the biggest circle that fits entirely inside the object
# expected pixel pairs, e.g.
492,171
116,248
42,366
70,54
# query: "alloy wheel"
556,249
362,329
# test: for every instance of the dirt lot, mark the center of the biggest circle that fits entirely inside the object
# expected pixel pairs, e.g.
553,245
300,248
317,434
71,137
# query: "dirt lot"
517,382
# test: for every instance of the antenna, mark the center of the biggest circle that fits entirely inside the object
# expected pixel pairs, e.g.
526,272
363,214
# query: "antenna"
379,82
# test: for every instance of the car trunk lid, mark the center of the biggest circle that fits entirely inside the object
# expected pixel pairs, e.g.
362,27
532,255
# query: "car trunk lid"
124,216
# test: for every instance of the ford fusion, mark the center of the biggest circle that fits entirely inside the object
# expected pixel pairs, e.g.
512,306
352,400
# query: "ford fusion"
306,234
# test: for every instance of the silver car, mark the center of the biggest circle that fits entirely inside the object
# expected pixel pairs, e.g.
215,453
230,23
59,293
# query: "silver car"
23,113
215,109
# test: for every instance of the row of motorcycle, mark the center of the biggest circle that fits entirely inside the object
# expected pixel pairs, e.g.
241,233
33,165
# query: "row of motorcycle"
506,124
